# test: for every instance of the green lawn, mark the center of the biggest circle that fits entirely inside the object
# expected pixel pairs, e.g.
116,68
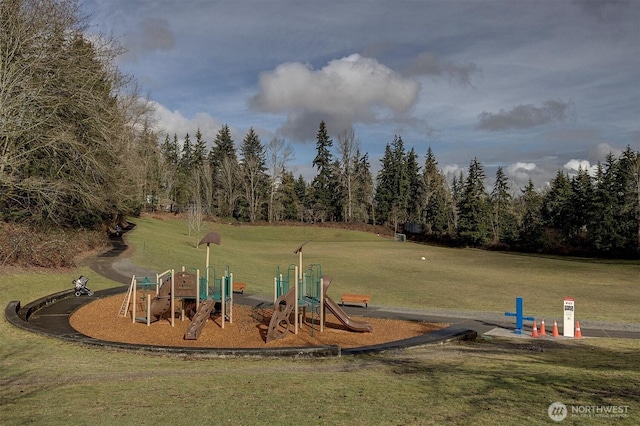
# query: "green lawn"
487,382
394,274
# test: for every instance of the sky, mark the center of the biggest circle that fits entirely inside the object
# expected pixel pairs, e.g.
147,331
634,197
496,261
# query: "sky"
531,86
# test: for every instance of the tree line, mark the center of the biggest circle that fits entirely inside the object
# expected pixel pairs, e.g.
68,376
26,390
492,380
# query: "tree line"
577,214
79,148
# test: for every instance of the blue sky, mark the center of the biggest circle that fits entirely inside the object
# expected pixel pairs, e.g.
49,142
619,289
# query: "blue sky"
530,86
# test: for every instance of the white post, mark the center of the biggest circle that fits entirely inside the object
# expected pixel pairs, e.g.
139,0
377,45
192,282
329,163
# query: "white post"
148,311
321,304
135,300
569,314
173,303
275,289
295,329
197,291
222,297
231,298
207,269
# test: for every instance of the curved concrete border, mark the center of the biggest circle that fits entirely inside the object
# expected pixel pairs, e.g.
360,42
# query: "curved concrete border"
20,317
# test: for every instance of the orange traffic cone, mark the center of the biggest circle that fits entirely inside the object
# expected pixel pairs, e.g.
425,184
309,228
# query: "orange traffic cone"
555,333
534,333
543,330
578,333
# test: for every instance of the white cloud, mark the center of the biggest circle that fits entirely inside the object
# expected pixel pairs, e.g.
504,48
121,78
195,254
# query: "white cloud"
520,172
347,90
173,122
573,166
451,170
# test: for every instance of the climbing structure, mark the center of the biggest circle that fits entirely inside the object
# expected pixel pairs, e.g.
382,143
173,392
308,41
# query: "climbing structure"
280,320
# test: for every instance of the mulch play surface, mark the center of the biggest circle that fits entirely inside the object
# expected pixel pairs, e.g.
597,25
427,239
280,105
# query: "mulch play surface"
100,319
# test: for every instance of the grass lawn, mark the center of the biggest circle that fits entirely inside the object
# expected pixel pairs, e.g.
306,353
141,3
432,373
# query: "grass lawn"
394,274
487,382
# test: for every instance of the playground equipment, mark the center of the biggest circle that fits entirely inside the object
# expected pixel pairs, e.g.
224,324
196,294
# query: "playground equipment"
162,288
220,291
81,286
189,289
299,290
302,294
163,293
346,320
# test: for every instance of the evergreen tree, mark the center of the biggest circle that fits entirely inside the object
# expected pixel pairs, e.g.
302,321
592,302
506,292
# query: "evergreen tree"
629,198
504,222
392,192
434,198
289,204
581,201
531,225
473,221
223,146
414,187
301,190
604,235
363,197
224,168
186,155
170,150
323,185
556,206
199,153
457,189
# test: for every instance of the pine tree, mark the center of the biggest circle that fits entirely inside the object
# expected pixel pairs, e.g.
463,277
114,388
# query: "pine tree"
224,168
581,201
392,193
435,199
556,206
531,225
414,187
363,197
473,221
323,185
288,206
199,153
301,190
504,223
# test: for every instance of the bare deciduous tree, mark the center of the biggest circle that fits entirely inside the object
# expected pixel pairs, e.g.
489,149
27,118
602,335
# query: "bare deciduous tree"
279,153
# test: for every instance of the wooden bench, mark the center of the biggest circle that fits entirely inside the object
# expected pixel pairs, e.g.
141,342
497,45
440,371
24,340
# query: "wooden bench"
239,287
355,298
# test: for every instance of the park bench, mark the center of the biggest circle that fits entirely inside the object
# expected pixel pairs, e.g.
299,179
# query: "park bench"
355,298
239,287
